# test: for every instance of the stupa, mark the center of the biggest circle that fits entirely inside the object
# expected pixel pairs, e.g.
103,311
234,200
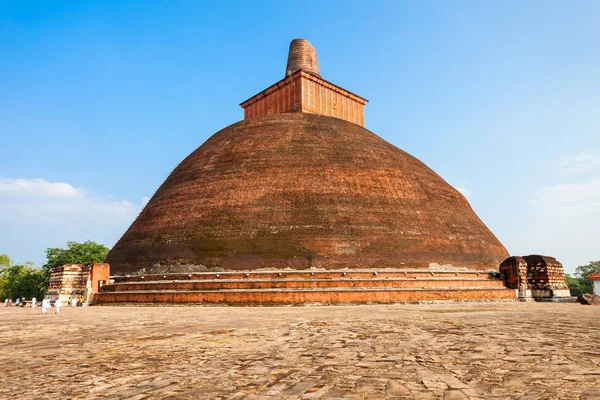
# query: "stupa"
300,188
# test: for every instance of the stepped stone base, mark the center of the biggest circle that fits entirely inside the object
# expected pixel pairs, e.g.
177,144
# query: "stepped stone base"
302,287
334,296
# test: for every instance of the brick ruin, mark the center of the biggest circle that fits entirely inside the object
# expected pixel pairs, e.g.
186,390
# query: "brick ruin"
78,280
535,277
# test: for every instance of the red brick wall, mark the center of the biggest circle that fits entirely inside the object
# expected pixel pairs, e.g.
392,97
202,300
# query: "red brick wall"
514,272
99,272
283,97
303,92
321,97
69,278
533,272
291,297
545,272
72,279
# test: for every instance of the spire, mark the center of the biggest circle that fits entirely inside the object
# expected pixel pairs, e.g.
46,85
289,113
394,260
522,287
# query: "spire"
303,90
302,56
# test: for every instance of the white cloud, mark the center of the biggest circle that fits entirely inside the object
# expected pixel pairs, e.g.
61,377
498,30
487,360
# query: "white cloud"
579,163
569,199
563,222
37,200
464,191
36,214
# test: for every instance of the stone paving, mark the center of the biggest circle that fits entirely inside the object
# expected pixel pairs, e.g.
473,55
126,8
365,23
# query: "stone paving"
427,351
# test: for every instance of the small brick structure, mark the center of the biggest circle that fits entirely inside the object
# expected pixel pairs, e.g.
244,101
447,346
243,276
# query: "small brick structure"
536,277
77,280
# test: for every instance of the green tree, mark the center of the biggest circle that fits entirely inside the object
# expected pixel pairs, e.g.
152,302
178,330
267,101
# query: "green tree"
33,283
21,280
24,280
5,261
578,283
574,285
88,252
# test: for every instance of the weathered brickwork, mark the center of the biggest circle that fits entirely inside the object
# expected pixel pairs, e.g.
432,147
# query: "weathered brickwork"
300,184
283,97
303,92
99,275
545,273
303,190
300,287
324,98
299,297
514,272
68,280
302,56
77,280
535,276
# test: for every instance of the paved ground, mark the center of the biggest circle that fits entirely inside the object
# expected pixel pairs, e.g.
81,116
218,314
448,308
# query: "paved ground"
449,351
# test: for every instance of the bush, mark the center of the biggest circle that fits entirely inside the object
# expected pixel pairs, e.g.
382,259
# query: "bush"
578,283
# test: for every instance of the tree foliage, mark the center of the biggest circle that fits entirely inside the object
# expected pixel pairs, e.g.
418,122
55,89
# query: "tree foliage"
20,280
24,280
88,252
5,261
578,283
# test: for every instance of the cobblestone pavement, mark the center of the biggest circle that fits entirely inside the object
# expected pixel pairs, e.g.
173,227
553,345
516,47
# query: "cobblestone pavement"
435,351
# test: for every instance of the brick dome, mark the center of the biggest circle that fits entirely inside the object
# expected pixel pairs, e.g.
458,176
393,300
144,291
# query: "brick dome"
304,190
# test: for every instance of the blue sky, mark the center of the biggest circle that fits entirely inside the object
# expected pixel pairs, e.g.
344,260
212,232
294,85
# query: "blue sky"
100,100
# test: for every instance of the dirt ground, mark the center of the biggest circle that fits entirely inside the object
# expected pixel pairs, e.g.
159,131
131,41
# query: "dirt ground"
427,351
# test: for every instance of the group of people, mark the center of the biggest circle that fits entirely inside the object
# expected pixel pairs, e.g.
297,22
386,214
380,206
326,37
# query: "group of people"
74,302
45,305
19,302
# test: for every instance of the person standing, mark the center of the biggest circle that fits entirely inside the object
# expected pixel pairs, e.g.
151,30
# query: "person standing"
6,303
33,300
57,305
44,305
18,301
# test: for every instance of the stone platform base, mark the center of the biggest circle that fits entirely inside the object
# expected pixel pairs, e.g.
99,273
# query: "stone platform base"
548,296
555,299
301,287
